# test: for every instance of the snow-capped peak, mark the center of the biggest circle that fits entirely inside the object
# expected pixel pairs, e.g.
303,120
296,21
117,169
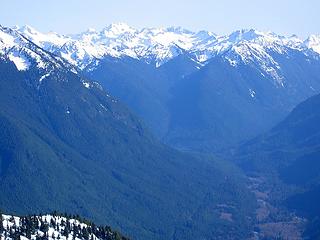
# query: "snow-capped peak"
178,30
313,42
20,48
244,34
42,39
116,29
159,45
156,45
26,29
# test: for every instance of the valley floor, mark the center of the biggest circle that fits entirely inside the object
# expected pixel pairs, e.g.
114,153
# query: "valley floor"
272,222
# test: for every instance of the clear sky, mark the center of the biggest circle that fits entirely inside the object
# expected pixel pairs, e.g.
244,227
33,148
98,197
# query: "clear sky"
301,17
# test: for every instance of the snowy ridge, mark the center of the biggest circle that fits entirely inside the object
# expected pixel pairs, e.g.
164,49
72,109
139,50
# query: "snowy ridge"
52,227
24,53
154,45
313,42
159,45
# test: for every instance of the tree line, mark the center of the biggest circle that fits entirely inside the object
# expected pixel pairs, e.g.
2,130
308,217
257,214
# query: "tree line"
59,226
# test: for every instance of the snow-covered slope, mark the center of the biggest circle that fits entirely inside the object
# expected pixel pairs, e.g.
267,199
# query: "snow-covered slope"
53,227
251,47
152,44
25,53
313,42
159,45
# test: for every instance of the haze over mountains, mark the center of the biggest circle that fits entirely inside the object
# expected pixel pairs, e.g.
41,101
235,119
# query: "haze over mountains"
94,121
288,157
254,76
67,145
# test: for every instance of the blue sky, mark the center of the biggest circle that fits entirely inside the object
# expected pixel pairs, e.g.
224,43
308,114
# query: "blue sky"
301,17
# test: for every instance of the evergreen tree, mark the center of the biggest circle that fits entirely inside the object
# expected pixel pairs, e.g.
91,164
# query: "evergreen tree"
5,234
63,223
85,233
30,225
44,227
38,237
16,236
53,223
1,222
66,230
92,237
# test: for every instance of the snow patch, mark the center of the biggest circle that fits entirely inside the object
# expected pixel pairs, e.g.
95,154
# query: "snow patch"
103,107
313,42
43,77
232,62
158,45
55,228
21,62
86,84
252,93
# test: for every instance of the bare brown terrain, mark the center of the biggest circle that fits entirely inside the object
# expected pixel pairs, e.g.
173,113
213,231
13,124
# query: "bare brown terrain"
272,222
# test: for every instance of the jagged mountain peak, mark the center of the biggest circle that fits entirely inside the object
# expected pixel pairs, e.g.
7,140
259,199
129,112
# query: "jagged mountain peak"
115,30
255,36
313,42
25,53
313,38
179,30
245,34
120,26
205,35
42,39
158,45
25,29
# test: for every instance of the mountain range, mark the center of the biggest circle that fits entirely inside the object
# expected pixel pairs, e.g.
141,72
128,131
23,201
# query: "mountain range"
67,144
210,92
159,45
94,123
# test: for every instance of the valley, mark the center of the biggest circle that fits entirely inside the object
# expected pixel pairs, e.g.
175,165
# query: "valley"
272,220
162,133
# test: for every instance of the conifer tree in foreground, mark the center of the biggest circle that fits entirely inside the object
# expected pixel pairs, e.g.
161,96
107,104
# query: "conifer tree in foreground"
54,227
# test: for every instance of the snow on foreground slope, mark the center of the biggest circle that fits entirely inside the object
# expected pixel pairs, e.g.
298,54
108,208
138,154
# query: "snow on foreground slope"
53,227
159,45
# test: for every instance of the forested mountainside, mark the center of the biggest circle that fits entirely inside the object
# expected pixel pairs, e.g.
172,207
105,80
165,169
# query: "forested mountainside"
195,90
287,157
85,119
66,144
